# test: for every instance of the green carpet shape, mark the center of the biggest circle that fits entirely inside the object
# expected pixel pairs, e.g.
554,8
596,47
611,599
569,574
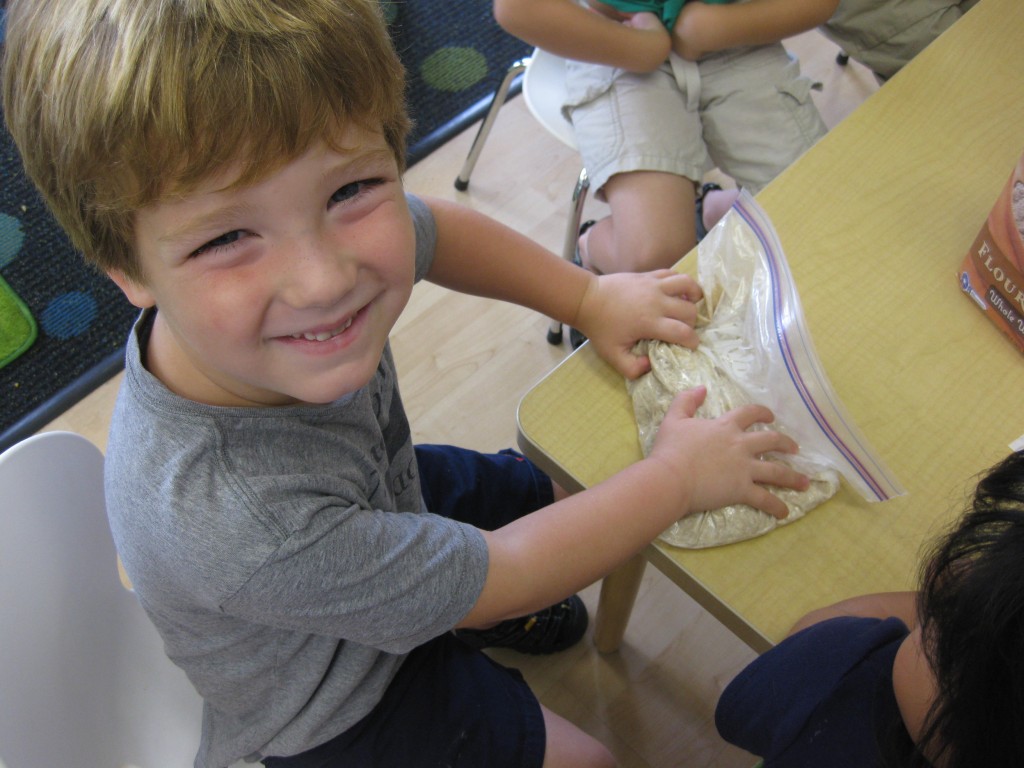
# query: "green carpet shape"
17,326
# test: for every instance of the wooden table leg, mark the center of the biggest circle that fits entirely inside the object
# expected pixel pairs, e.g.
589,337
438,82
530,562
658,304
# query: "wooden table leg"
618,593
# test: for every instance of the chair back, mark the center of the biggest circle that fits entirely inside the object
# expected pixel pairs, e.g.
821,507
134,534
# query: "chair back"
544,93
83,677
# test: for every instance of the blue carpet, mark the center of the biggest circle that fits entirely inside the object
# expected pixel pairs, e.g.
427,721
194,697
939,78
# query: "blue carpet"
455,56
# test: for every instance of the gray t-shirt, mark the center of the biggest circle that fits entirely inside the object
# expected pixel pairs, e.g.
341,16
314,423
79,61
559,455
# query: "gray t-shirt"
283,553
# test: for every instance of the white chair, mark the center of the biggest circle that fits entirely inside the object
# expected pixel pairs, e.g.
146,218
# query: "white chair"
83,677
543,81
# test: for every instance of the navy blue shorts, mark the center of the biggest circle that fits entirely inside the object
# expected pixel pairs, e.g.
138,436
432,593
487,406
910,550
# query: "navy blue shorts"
450,705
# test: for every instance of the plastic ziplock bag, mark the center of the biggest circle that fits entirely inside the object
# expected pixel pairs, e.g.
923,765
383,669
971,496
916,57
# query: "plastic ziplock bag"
755,348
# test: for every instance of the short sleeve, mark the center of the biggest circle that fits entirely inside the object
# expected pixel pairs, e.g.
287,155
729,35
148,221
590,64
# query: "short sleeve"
387,580
426,235
766,707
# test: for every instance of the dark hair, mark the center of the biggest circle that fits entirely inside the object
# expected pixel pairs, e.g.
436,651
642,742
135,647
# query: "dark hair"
971,612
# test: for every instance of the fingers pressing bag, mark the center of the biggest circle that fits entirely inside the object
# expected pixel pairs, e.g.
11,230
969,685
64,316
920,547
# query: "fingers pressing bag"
755,348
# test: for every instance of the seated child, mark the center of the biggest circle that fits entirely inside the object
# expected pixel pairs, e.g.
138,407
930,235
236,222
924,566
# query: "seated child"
884,35
235,166
658,99
934,677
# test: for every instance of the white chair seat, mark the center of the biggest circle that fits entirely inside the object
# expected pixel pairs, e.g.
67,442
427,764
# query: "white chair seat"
83,677
544,94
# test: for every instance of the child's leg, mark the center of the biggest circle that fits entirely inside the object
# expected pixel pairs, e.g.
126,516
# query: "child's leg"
651,224
489,491
663,237
884,35
454,706
567,746
759,116
484,490
642,144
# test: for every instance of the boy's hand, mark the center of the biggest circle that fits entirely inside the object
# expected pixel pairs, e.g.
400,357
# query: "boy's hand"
644,20
618,310
719,462
649,38
658,38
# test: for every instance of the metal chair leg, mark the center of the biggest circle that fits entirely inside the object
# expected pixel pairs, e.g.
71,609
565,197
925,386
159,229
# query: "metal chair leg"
497,101
579,197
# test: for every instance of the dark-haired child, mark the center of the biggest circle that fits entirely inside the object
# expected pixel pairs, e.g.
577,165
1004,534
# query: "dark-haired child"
934,677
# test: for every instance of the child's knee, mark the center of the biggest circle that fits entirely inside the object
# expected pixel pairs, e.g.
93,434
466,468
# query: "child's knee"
656,252
594,755
558,492
569,747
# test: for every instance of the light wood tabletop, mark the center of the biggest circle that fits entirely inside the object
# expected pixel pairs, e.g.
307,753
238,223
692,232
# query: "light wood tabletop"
875,221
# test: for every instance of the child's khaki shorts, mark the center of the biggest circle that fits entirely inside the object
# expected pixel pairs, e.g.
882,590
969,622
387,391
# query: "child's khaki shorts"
883,35
747,111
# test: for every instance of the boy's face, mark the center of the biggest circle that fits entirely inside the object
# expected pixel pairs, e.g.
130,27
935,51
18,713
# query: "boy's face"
280,292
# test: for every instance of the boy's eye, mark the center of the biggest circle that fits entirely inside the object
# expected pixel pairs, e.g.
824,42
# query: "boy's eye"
353,190
228,238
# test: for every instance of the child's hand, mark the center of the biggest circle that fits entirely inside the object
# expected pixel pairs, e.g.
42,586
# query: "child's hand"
644,20
618,310
657,38
648,40
648,22
719,462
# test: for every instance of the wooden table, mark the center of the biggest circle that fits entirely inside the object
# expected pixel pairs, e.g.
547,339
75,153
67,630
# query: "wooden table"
875,221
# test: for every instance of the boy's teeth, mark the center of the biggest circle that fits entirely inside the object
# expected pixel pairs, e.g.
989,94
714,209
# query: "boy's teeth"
323,335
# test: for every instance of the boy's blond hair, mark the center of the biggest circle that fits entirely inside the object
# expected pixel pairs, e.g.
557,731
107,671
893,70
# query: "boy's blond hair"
117,104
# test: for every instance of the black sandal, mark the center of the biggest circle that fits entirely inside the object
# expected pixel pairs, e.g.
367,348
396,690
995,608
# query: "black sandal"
576,258
549,631
710,186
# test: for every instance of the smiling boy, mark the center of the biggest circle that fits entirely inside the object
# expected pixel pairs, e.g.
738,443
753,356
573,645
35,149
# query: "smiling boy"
281,292
235,167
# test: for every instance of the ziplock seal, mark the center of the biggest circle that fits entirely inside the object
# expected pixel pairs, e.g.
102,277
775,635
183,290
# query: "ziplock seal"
861,466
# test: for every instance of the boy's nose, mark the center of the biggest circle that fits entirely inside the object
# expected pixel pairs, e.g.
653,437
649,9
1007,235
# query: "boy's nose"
316,273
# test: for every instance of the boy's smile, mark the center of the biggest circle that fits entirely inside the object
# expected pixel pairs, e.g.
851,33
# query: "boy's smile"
282,291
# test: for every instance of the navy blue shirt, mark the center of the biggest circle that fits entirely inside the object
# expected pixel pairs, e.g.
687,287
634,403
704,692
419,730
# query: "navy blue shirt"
821,697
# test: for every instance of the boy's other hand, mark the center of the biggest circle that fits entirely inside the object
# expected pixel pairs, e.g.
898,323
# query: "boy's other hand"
618,310
719,461
644,20
656,42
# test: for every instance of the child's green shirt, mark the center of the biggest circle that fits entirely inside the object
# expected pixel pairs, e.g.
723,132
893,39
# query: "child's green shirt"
667,10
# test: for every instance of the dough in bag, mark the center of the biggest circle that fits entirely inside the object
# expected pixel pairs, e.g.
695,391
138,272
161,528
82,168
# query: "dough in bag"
675,368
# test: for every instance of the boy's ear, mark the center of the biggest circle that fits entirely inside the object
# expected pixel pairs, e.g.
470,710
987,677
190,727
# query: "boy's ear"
137,294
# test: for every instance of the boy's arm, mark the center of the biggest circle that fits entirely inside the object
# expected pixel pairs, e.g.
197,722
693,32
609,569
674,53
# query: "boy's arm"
480,256
696,464
565,28
702,28
882,605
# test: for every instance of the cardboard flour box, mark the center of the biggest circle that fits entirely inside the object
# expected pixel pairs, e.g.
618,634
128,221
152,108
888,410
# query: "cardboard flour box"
993,272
